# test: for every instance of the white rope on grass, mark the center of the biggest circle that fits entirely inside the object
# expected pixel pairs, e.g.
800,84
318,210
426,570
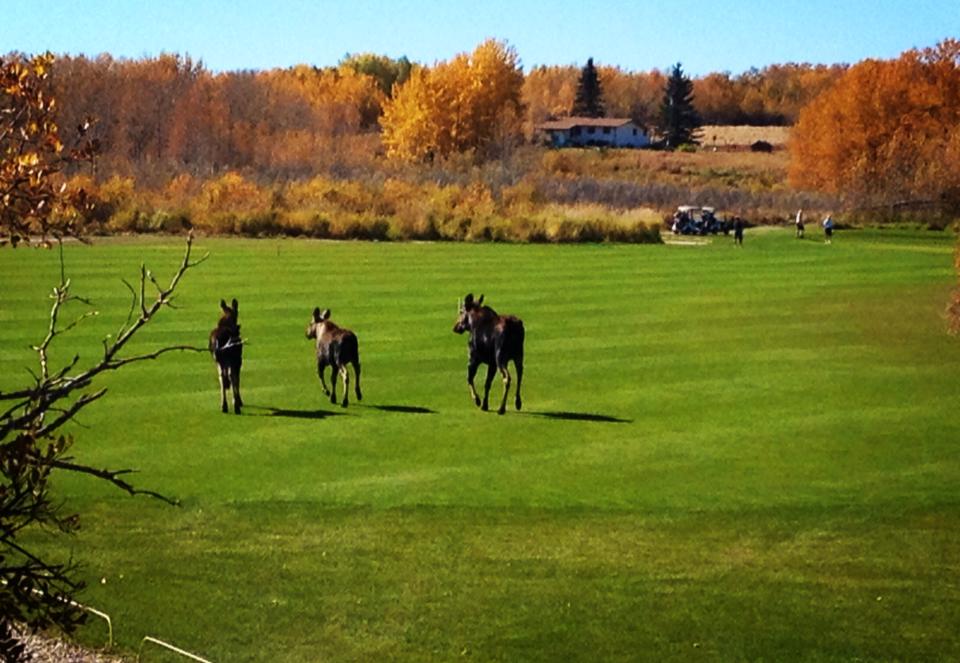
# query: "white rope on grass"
102,615
93,611
167,645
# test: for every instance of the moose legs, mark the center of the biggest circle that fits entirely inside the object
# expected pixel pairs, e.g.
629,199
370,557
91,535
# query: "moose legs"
505,374
345,376
492,370
229,377
235,383
332,390
518,362
356,369
224,383
321,369
472,367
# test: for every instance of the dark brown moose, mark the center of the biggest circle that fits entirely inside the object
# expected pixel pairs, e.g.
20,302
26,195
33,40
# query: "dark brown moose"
226,346
494,341
337,348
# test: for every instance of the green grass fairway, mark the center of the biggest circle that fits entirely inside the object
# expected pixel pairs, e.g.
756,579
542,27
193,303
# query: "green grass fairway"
724,454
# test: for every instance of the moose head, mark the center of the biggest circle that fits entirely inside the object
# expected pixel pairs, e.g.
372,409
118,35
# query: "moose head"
465,308
319,317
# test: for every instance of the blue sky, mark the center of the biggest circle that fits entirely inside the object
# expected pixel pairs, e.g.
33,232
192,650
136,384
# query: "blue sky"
706,36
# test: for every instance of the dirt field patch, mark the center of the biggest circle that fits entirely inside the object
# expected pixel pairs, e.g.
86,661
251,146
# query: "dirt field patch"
742,136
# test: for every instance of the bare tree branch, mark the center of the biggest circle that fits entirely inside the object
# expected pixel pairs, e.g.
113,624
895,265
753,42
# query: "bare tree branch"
69,413
115,364
113,476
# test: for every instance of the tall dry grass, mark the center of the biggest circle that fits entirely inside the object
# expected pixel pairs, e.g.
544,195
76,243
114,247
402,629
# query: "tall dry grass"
531,194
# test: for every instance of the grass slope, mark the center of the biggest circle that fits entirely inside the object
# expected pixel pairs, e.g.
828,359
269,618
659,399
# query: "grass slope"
724,454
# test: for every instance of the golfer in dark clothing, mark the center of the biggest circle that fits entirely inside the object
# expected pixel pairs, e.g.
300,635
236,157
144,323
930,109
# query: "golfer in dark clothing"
738,231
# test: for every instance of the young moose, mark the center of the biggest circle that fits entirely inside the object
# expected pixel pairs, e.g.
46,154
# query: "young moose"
336,348
226,346
494,341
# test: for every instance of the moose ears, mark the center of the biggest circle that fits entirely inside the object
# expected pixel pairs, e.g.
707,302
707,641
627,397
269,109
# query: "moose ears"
236,307
480,301
468,300
228,309
319,316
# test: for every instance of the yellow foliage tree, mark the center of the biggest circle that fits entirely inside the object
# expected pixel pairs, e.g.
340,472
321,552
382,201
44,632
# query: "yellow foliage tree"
548,93
33,202
886,132
471,103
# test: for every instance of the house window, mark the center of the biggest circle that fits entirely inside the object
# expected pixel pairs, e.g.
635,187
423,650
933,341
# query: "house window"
590,130
606,130
634,132
575,131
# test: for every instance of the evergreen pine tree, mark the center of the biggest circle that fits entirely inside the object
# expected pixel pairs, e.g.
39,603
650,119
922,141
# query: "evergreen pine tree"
589,99
678,118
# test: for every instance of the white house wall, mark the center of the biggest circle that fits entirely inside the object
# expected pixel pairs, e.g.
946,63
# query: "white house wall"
618,137
625,137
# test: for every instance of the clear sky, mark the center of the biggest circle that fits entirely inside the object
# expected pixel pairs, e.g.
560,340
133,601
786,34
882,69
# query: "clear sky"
704,35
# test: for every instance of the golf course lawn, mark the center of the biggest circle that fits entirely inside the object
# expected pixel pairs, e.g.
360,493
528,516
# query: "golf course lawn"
724,454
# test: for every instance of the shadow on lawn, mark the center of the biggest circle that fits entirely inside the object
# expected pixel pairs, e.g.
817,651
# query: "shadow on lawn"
580,416
294,414
404,409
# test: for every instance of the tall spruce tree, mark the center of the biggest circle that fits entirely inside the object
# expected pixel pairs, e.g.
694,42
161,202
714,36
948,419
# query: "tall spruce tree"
589,99
678,118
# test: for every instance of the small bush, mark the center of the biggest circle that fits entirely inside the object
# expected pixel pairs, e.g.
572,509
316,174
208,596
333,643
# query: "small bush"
258,224
370,230
171,222
319,228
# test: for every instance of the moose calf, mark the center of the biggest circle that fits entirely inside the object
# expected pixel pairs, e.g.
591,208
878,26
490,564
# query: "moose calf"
336,348
226,346
494,341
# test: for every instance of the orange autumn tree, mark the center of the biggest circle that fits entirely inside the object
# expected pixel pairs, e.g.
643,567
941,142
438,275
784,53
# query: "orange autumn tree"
548,93
636,95
886,132
471,103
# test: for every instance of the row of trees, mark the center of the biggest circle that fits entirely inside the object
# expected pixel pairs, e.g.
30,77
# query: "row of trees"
879,131
170,114
772,95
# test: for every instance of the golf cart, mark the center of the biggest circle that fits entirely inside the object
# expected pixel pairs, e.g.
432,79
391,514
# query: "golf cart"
691,220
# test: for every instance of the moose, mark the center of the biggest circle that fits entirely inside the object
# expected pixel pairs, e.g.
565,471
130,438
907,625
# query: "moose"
226,346
494,341
337,348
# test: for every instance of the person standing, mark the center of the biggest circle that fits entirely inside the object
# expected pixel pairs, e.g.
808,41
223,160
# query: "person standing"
828,229
799,222
737,231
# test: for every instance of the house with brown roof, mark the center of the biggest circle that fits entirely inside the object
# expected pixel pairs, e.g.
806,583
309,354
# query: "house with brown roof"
582,131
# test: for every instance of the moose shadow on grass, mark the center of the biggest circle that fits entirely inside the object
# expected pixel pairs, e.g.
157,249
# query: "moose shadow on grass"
267,411
580,416
403,409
